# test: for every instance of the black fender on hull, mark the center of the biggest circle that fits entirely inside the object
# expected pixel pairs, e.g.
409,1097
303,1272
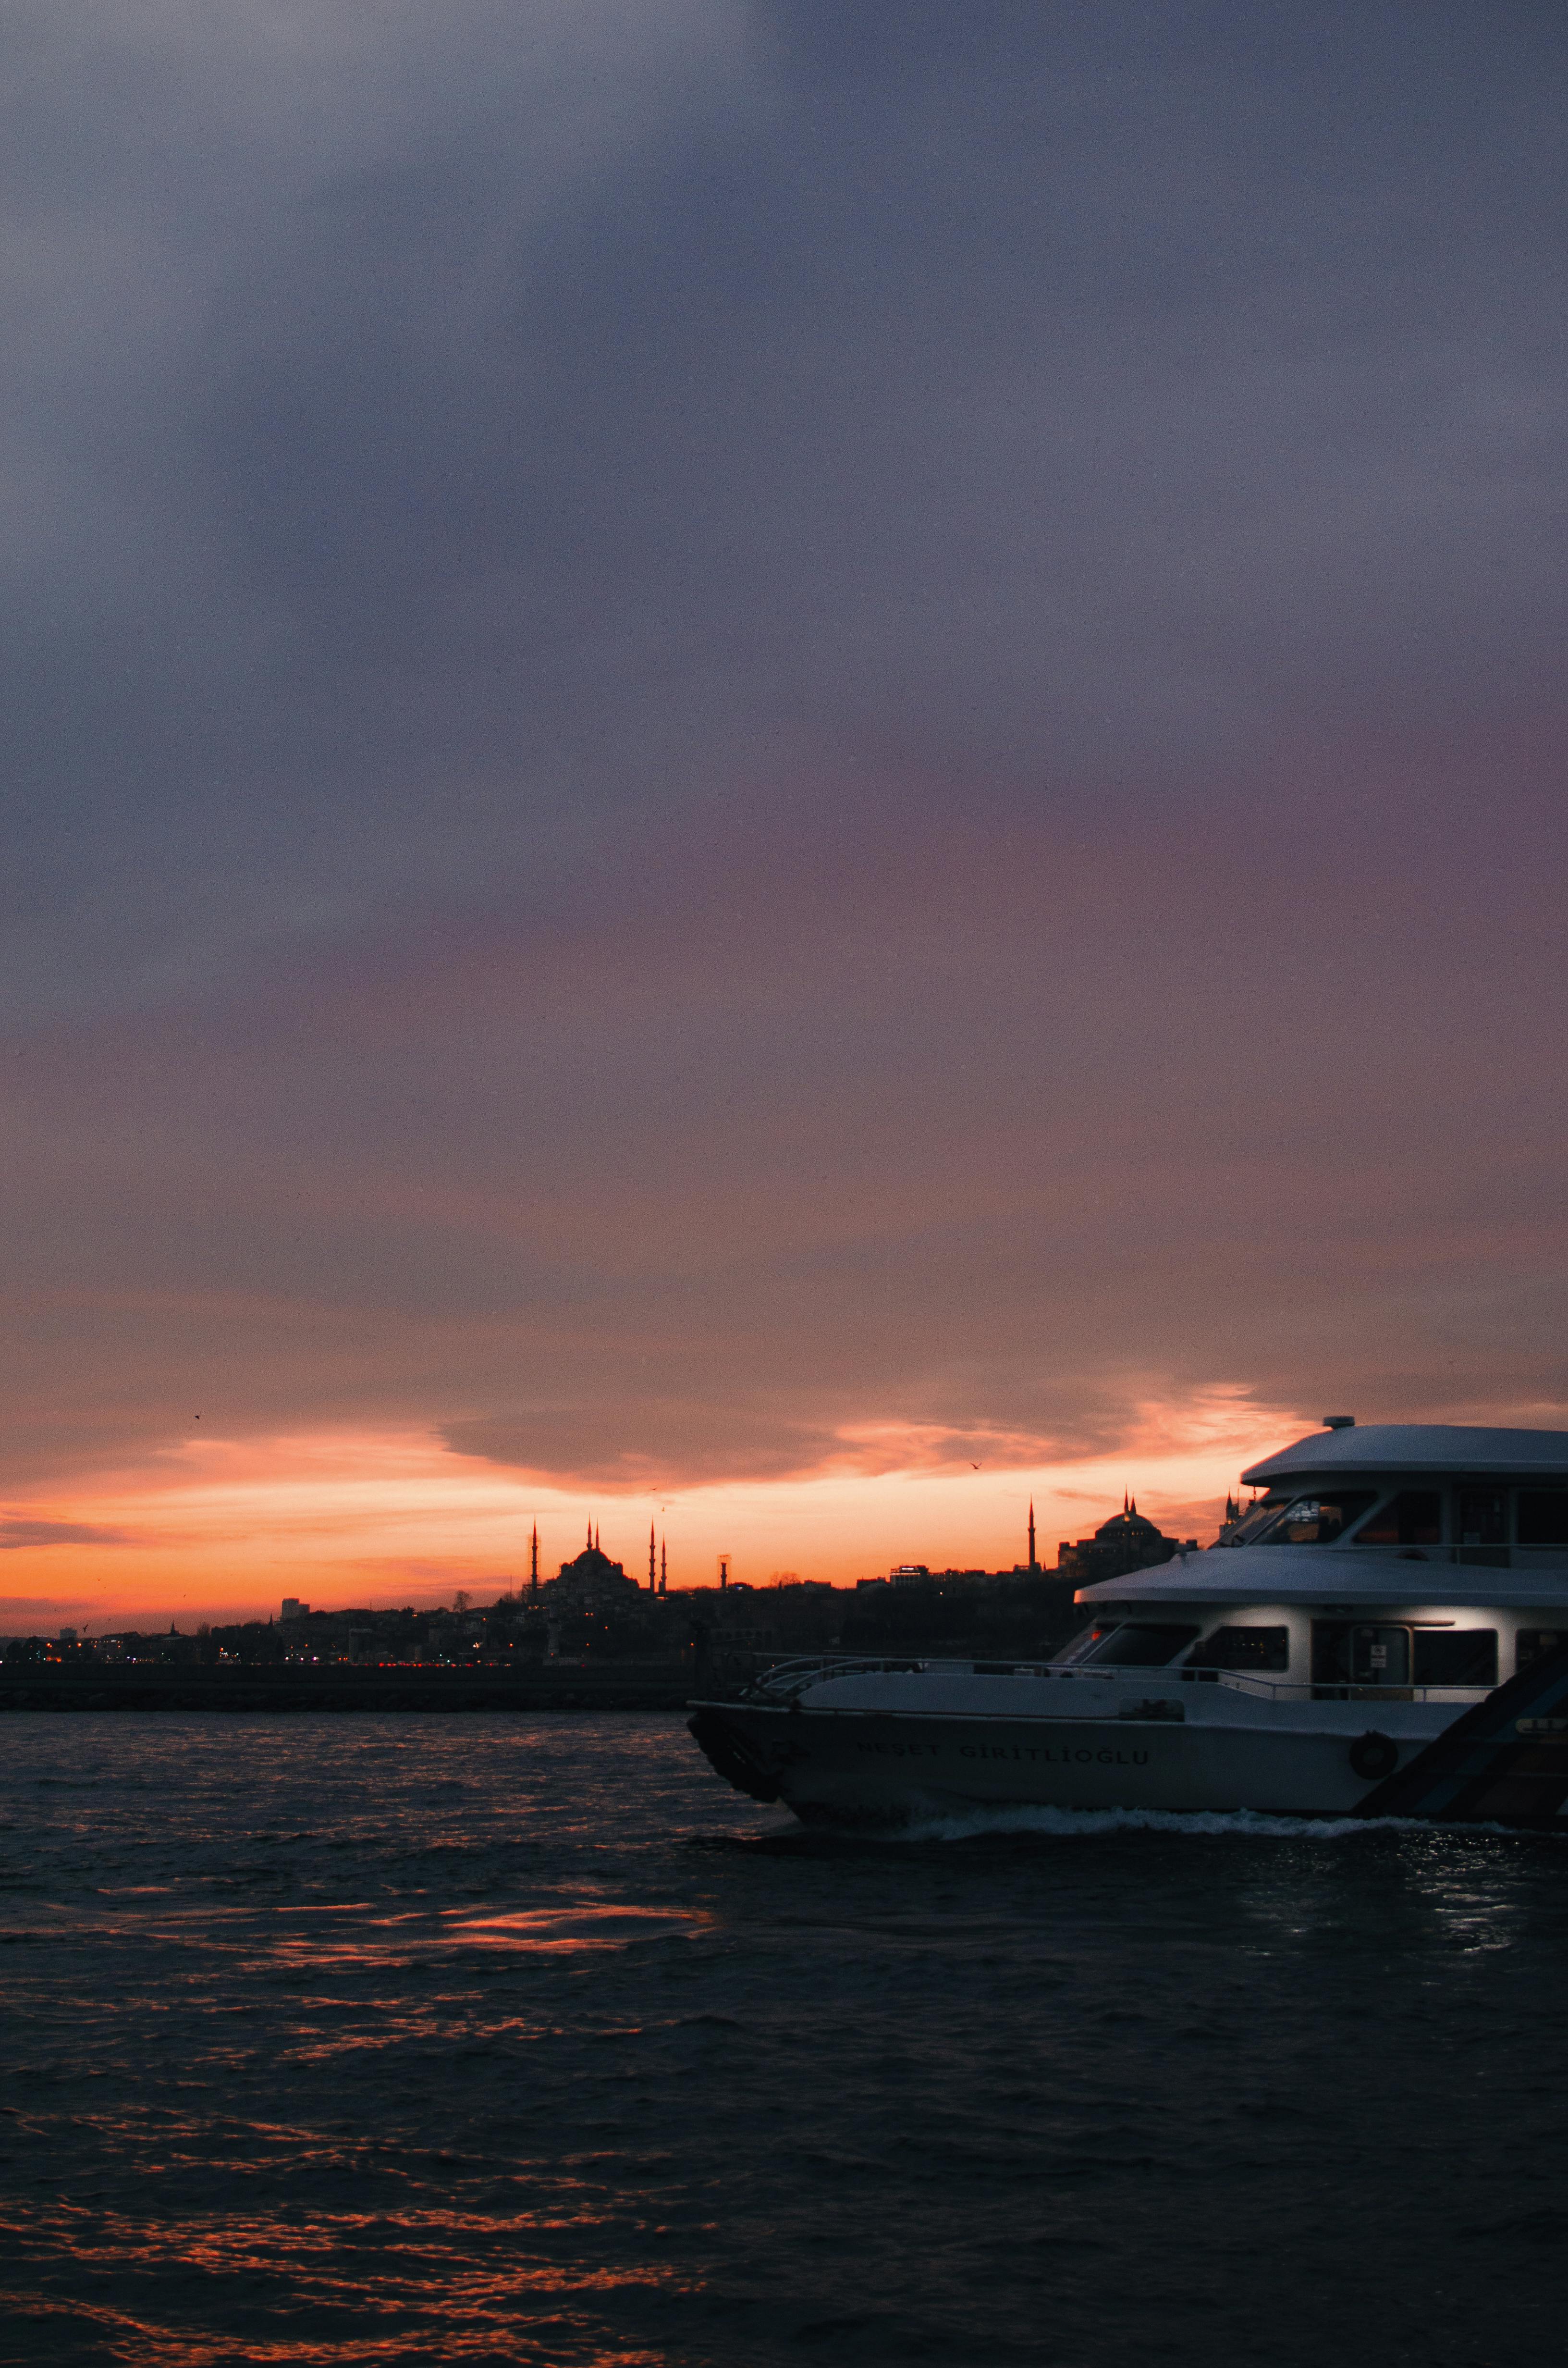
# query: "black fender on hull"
1374,1756
731,1756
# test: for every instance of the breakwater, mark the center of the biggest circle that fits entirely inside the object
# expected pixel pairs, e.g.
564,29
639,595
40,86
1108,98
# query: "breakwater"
145,1686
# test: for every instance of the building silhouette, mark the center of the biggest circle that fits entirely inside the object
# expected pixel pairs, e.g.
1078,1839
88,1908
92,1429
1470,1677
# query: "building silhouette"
591,1582
1128,1541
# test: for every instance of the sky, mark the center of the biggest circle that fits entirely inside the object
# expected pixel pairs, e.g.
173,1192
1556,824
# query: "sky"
773,766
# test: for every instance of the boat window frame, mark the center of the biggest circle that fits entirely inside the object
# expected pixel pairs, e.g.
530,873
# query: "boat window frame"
1427,1632
1190,1629
1273,1501
1541,1640
1536,1545
1072,1653
1385,1504
1273,1629
1374,1494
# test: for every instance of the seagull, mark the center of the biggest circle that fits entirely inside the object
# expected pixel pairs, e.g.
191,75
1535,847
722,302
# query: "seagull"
975,1467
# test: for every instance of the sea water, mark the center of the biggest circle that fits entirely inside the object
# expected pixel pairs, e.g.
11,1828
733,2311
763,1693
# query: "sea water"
464,2038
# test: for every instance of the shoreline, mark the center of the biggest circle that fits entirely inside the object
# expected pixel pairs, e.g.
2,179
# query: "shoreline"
238,1691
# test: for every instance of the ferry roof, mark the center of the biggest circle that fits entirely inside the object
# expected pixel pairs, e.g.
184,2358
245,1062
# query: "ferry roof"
1395,1447
1327,1578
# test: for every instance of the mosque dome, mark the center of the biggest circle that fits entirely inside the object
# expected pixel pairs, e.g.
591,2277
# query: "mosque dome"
1129,1523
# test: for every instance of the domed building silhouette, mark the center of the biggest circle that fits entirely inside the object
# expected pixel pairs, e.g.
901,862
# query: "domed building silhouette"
591,1581
1128,1541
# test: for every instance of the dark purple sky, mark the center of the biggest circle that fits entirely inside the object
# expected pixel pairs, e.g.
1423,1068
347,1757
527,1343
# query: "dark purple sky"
727,721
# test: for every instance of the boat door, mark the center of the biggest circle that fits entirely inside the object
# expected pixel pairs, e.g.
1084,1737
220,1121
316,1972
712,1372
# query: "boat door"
1380,1657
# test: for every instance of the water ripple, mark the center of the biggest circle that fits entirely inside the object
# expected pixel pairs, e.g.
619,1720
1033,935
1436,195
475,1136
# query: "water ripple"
380,2040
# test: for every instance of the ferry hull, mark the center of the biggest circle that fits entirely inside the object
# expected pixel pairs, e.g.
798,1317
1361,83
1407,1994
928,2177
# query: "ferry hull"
875,1767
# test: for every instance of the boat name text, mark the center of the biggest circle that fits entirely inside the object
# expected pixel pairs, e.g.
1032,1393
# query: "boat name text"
1065,1755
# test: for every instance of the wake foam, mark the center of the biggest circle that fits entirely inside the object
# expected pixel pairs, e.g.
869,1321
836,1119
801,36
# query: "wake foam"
1241,1825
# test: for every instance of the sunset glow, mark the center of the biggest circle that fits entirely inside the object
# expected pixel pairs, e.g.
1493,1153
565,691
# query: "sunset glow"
223,1530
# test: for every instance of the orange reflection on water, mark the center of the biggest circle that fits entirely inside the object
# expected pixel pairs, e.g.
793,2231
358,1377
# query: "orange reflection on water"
424,2274
565,1930
406,1932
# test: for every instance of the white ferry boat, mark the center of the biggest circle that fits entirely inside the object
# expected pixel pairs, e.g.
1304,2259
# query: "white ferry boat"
1385,1632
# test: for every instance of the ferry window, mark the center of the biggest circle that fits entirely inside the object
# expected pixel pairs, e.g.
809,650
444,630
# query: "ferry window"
1543,1517
1140,1645
1243,1648
1331,1653
1414,1517
1256,1518
1484,1517
1083,1643
1315,1521
1348,1654
1380,1657
1533,1642
1456,1657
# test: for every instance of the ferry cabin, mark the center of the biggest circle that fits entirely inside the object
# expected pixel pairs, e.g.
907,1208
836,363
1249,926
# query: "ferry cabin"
1430,1583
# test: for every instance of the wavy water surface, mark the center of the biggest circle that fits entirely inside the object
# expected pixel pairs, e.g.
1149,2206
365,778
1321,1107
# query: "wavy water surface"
481,2039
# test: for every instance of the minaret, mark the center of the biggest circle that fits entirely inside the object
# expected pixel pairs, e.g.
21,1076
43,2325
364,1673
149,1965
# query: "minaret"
664,1566
533,1562
1033,1564
651,1589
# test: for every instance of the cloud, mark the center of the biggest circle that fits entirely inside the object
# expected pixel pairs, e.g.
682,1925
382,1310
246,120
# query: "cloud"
16,1530
744,739
444,444
637,1446
1000,1136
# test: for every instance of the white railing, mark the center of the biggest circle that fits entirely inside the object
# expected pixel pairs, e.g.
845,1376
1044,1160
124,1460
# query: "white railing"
788,1680
1248,1681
